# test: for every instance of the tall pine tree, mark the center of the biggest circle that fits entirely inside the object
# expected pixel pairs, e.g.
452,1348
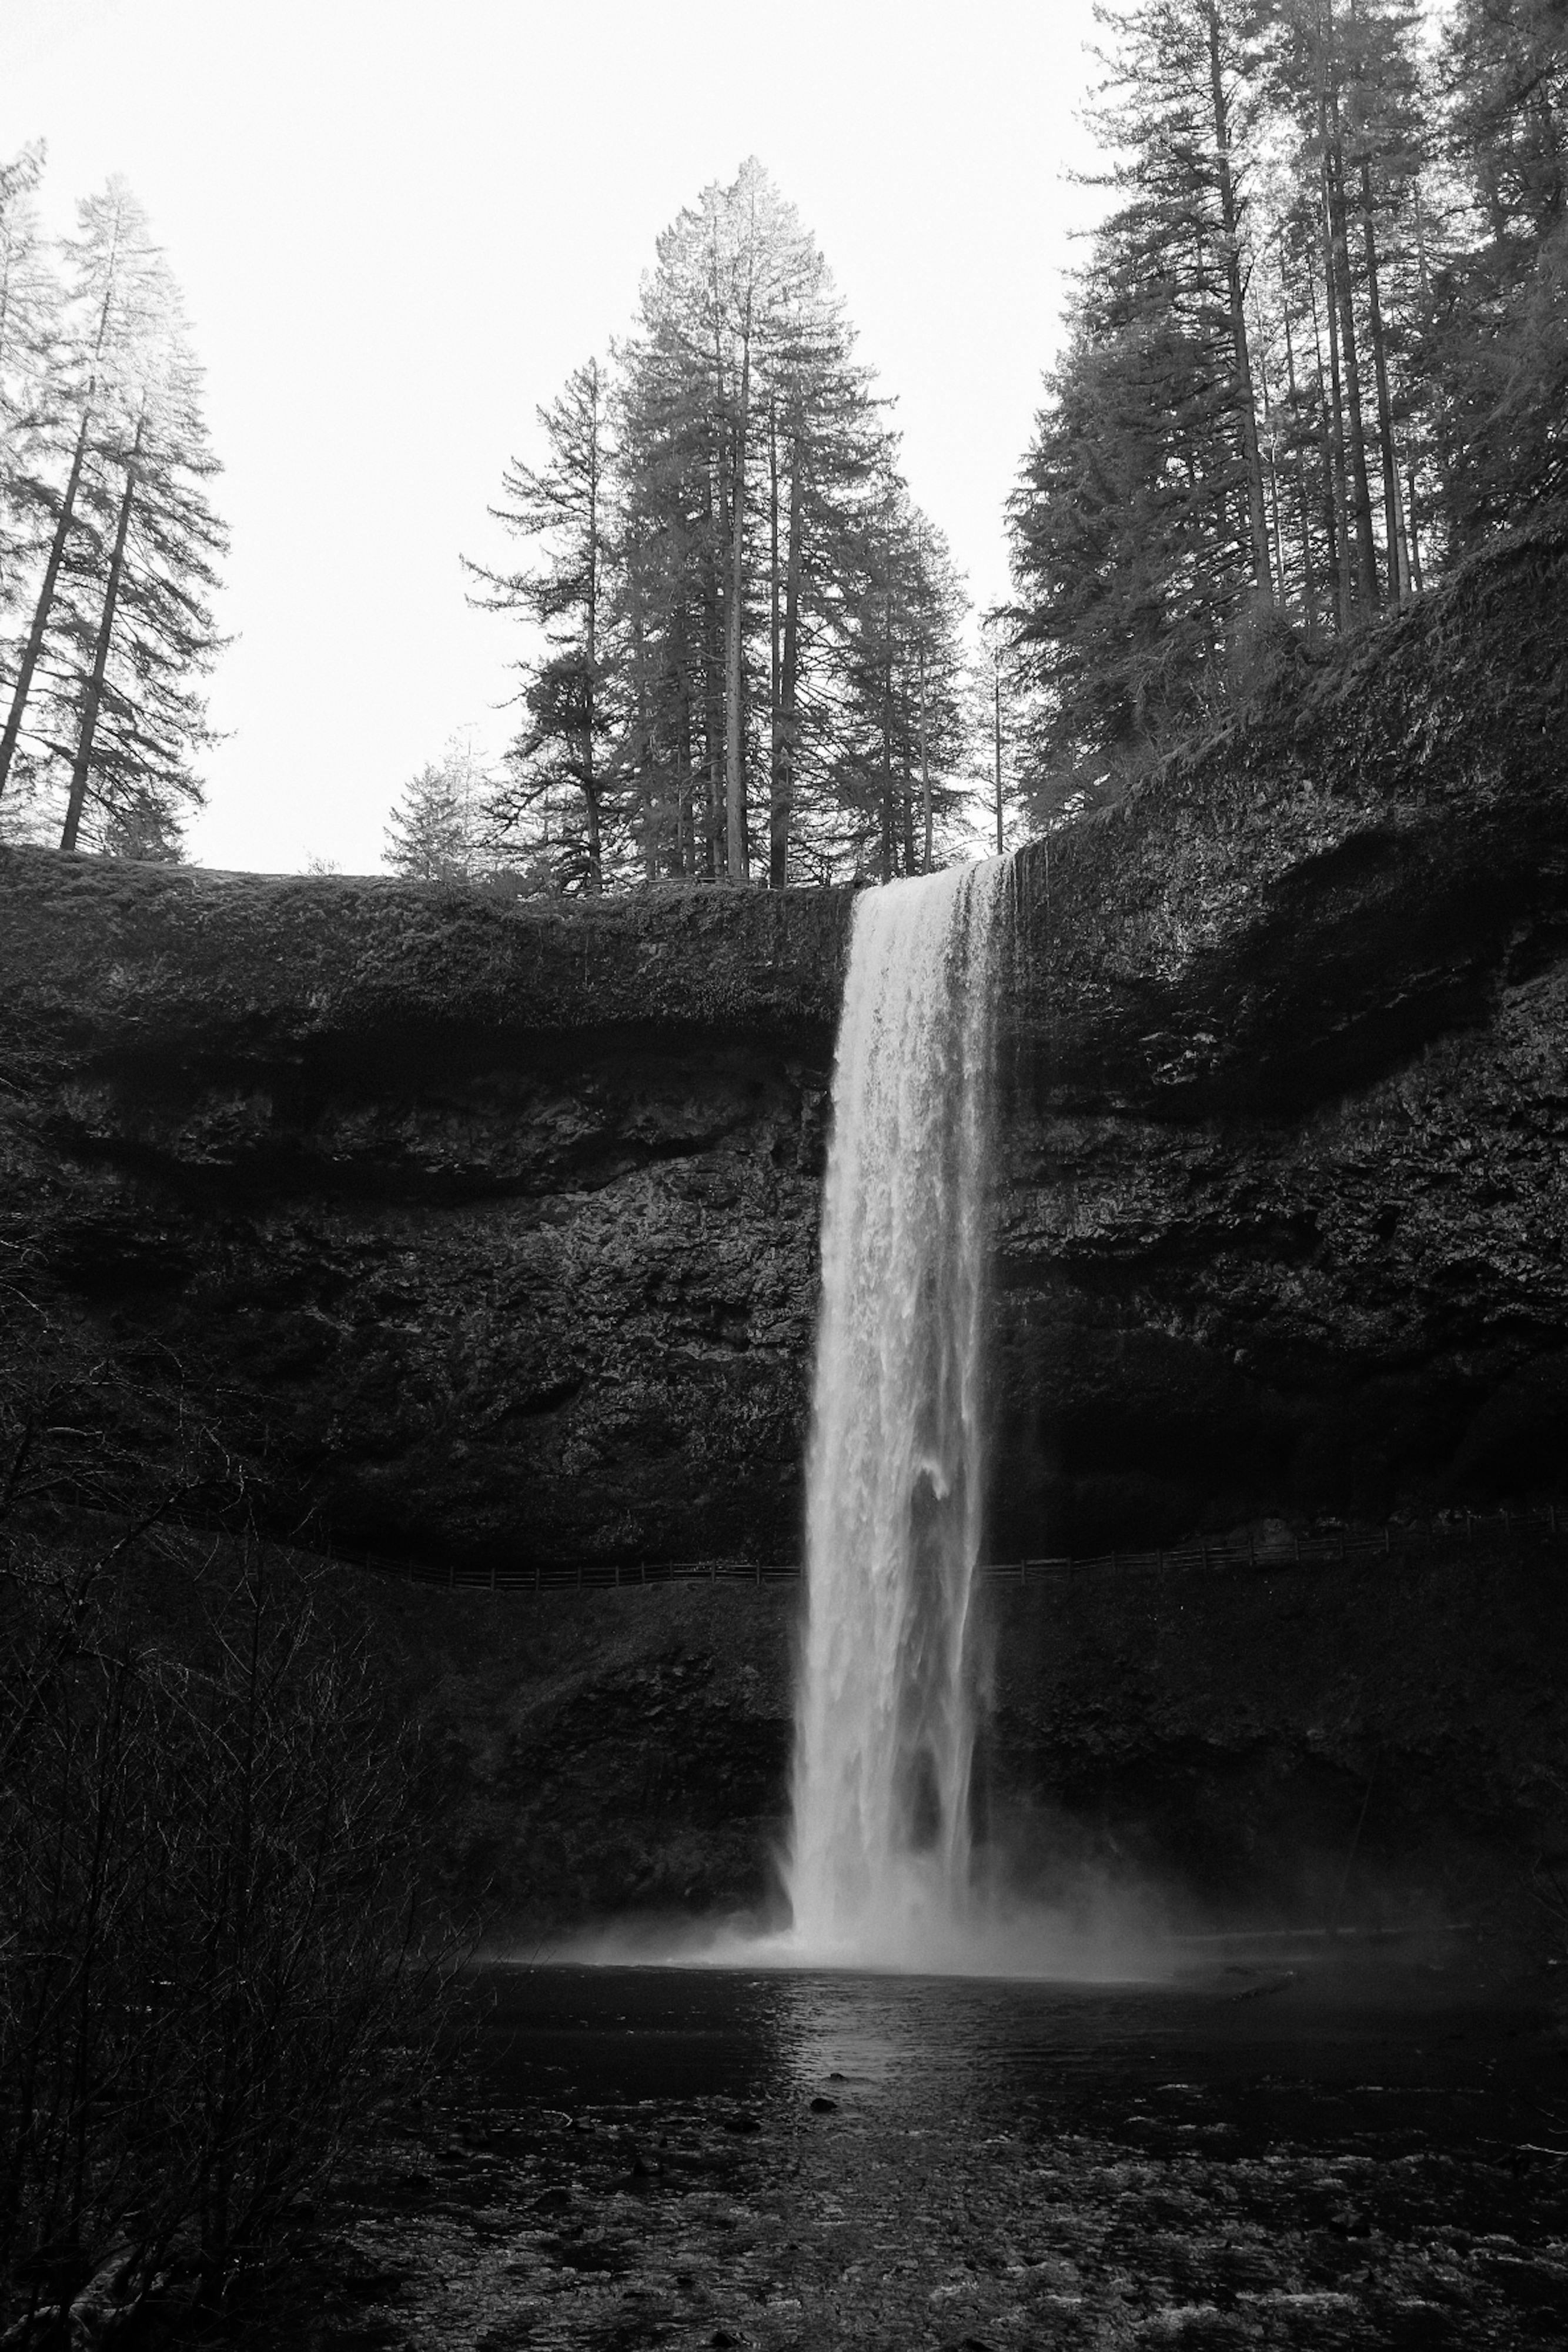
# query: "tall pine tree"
103,713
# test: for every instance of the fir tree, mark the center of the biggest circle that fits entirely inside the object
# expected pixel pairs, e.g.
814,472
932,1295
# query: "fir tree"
104,712
437,830
561,508
1499,298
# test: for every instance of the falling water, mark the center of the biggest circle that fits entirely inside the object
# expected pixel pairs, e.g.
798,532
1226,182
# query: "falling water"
881,1862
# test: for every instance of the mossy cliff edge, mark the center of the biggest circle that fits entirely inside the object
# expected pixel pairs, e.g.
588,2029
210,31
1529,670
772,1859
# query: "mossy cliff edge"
493,1228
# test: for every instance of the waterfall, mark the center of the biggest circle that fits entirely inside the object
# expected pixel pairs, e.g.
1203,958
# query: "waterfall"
880,1865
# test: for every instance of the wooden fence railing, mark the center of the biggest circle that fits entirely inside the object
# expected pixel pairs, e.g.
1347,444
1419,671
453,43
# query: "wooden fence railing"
1395,1539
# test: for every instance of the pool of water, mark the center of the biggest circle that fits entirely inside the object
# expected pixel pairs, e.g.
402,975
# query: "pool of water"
1274,2044
1262,2150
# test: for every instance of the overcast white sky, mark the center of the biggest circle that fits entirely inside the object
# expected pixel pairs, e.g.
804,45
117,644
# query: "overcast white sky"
398,225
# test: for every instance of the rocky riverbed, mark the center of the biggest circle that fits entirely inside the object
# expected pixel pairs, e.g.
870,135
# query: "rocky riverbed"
1260,2153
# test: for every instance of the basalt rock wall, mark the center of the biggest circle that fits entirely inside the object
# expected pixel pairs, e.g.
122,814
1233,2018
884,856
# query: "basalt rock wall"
490,1230
1284,1188
478,1228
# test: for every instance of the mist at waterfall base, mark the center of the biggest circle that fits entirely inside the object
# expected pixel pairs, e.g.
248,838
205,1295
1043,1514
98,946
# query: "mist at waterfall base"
884,1869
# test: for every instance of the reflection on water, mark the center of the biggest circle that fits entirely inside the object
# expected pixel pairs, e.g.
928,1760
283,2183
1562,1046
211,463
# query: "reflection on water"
1276,2047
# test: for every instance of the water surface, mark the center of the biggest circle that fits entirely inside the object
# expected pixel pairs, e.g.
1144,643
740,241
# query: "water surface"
1267,2152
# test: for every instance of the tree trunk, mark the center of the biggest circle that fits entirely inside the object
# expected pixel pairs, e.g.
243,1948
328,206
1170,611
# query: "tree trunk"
1258,526
773,626
997,746
888,838
924,764
1333,184
906,775
44,606
94,695
1398,560
645,745
685,819
713,683
1438,413
1271,474
1334,456
1402,539
734,744
590,777
781,807
595,867
1304,507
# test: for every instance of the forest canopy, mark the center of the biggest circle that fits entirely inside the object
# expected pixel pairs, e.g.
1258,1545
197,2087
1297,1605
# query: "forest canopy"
741,638
1315,352
1318,350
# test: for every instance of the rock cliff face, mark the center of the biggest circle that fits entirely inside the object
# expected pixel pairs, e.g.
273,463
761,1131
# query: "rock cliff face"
489,1230
492,1230
1284,1192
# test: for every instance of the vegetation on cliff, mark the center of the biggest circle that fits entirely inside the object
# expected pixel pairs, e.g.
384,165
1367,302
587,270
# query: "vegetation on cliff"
1319,351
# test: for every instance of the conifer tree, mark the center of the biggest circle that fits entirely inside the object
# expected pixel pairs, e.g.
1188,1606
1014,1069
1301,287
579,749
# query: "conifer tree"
103,704
562,510
1242,438
29,328
437,830
117,290
721,520
1499,292
752,443
899,732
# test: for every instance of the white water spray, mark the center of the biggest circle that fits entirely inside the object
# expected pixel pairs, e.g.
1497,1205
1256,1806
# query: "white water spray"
880,1863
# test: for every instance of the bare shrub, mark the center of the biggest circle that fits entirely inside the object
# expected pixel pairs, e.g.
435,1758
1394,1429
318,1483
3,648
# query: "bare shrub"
209,1978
